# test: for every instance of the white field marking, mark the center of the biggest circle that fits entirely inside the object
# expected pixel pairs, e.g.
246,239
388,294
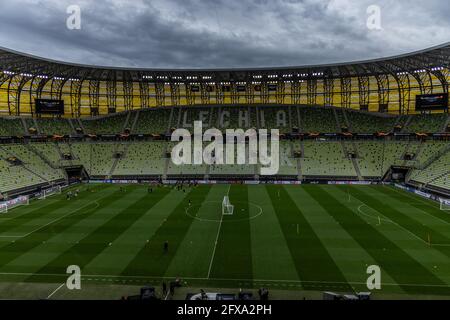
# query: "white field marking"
53,221
9,217
424,201
411,195
96,277
217,239
406,230
33,200
368,215
57,289
186,211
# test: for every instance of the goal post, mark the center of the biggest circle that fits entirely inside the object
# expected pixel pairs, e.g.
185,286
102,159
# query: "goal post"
227,207
444,204
50,191
3,208
10,204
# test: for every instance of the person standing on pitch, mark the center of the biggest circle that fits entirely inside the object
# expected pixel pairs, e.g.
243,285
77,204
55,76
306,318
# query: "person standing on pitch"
166,246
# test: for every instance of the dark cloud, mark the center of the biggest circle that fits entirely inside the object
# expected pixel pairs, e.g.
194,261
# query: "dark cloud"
219,33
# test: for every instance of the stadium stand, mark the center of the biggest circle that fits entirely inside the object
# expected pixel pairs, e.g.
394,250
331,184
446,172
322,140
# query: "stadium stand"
428,151
233,169
426,123
97,158
236,117
175,170
54,126
288,164
11,127
105,125
370,158
436,174
13,177
326,158
30,124
153,121
50,151
42,162
189,115
33,162
361,122
142,158
318,120
341,119
275,117
30,169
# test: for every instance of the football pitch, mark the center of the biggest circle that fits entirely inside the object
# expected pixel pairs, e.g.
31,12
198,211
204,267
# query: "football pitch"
308,238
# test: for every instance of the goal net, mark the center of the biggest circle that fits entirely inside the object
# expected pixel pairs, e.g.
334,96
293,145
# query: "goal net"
50,191
10,204
227,207
444,204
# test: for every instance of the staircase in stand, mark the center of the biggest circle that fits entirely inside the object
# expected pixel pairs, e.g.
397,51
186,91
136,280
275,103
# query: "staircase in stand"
446,124
41,155
72,126
347,122
408,121
136,118
24,124
338,124
358,171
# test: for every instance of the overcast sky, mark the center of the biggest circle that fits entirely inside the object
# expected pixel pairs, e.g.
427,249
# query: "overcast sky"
221,33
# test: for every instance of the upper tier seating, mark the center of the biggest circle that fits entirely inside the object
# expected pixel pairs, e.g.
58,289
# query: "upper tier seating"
11,127
318,120
106,125
154,121
54,126
275,118
361,122
189,115
427,123
233,118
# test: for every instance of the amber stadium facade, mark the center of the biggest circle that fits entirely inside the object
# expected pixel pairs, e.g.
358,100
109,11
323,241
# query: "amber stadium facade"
388,85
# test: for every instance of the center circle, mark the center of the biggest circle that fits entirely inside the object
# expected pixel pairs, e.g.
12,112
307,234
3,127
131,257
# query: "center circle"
212,211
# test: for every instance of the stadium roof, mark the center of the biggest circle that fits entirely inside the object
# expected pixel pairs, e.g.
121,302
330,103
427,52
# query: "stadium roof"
429,60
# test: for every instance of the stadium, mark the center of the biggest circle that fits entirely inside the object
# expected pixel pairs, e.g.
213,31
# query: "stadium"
87,179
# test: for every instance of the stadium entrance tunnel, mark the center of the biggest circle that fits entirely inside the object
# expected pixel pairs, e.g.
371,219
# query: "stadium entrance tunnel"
76,173
211,211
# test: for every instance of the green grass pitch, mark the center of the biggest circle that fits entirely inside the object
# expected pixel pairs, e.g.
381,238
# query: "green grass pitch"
310,237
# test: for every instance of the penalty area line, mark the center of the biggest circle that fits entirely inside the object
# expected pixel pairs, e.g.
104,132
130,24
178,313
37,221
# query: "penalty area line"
386,219
53,221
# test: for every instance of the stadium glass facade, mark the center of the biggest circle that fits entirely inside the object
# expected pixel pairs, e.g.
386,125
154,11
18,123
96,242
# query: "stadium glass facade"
387,85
